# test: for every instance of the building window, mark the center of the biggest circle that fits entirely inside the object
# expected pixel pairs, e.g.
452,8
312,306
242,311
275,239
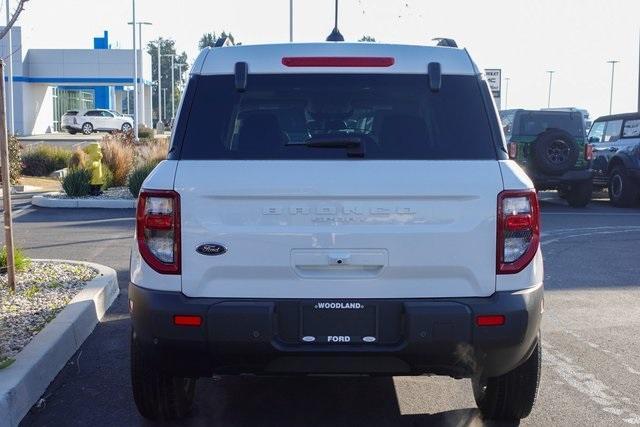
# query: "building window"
65,99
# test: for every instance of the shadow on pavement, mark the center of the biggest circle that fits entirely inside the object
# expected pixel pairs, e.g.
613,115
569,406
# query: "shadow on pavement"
311,401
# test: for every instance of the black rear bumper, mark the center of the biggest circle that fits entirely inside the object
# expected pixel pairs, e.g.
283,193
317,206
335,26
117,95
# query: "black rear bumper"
548,182
416,336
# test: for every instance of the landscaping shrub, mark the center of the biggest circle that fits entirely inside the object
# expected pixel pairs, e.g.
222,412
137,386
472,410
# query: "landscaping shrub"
77,183
154,151
78,159
107,175
138,176
21,261
118,158
126,138
42,160
15,162
145,132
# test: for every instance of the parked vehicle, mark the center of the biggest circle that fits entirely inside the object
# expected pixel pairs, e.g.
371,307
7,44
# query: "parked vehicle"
327,214
551,147
616,148
585,115
89,121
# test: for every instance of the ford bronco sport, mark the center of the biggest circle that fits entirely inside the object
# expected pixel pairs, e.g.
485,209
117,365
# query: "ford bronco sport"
551,147
324,211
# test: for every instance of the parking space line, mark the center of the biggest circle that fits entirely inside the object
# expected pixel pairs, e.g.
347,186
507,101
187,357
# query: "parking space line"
589,385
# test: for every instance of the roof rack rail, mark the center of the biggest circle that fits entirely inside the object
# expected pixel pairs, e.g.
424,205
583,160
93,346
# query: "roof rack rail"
444,42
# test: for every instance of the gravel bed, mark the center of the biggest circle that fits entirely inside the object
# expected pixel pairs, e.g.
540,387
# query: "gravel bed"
42,291
110,193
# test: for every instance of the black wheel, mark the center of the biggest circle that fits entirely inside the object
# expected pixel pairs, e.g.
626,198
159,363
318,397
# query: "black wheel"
510,397
126,127
579,194
72,131
622,191
555,151
87,128
158,396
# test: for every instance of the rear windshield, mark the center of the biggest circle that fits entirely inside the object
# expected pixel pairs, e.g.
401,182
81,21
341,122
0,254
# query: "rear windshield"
534,123
71,113
315,116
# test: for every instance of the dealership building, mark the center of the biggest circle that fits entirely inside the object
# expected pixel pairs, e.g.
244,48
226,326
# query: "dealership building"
48,82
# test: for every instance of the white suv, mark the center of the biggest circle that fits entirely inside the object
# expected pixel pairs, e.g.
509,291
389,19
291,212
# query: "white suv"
337,208
89,121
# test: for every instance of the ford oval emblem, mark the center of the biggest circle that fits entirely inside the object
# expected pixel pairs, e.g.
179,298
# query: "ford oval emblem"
211,249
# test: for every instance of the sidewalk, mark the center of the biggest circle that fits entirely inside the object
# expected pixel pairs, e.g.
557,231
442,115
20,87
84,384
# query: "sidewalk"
61,139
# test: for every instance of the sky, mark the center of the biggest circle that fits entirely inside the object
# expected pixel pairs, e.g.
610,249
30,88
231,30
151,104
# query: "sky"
524,38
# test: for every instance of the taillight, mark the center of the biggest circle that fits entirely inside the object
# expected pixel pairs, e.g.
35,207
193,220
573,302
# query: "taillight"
158,230
513,150
518,230
588,152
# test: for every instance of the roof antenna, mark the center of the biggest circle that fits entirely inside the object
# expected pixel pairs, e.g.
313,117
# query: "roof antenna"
335,35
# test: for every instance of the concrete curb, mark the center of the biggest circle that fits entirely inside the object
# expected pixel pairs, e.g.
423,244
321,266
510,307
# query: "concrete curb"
46,201
22,383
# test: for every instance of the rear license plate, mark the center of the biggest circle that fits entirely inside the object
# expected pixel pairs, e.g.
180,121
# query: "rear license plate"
338,322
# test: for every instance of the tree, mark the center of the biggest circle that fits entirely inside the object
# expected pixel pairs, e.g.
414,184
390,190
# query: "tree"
210,39
367,38
167,47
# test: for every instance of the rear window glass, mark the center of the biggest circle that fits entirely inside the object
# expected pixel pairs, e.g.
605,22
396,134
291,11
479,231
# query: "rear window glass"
293,116
71,113
534,123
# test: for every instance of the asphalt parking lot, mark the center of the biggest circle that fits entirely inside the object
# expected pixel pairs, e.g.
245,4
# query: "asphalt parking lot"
591,373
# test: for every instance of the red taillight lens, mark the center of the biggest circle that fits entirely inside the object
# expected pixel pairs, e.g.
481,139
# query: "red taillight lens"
518,235
490,320
512,147
187,320
588,152
337,61
158,230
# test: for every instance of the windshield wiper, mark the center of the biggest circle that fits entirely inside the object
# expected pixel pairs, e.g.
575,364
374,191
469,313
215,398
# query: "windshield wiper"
353,144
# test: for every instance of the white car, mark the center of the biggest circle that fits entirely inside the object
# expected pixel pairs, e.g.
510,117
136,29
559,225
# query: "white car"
89,121
322,211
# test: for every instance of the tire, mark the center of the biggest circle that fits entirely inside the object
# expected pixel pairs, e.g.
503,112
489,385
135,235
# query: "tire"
579,194
555,151
87,128
510,397
158,395
72,131
126,128
623,192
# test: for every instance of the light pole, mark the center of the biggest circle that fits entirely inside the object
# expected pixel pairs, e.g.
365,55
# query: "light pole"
180,75
173,84
506,93
551,72
164,98
9,101
159,42
135,73
613,72
140,72
290,20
